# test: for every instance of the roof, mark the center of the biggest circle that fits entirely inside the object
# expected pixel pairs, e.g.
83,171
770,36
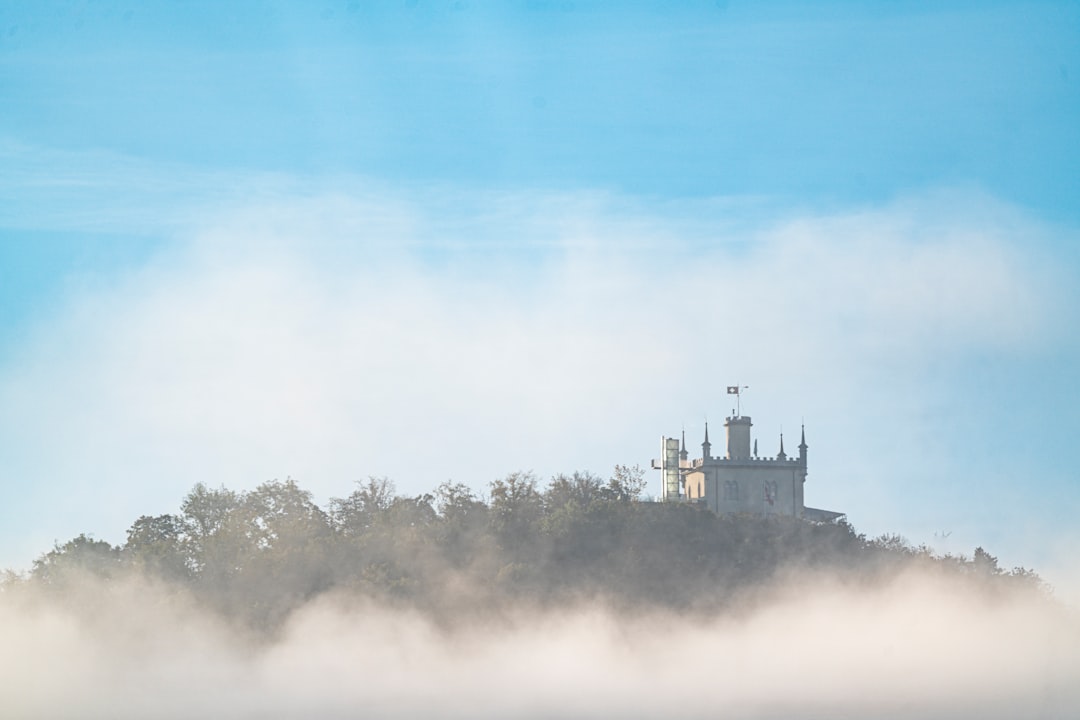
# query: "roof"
819,515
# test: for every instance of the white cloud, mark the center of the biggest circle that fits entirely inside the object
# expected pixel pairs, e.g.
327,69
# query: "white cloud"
466,336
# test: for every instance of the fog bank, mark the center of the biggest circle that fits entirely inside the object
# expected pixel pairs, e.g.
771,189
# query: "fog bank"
919,645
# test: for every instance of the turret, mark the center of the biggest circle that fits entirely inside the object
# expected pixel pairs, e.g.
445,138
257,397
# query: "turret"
706,446
738,437
781,455
802,448
682,451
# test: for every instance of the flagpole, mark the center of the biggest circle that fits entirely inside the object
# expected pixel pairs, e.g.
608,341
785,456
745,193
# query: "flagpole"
736,390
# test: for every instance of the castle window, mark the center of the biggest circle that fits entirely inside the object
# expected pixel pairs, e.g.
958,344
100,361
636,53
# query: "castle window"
731,490
770,492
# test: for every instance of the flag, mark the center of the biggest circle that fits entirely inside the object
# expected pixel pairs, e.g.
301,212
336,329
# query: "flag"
732,389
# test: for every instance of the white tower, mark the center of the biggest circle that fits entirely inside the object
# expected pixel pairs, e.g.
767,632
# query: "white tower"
738,438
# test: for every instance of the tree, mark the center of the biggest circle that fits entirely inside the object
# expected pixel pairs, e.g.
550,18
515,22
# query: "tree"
462,533
208,510
516,508
572,491
985,563
457,502
261,553
279,514
627,482
354,515
212,545
82,554
156,545
412,512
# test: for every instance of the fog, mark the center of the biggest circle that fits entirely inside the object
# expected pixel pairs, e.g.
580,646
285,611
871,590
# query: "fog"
920,645
360,333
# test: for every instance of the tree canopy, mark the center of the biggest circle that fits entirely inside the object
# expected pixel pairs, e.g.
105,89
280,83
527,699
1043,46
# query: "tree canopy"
258,555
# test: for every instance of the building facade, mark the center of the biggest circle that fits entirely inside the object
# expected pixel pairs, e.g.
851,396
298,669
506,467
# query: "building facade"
739,481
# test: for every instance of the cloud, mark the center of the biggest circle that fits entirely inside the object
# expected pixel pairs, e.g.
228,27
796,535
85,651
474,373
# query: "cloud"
465,335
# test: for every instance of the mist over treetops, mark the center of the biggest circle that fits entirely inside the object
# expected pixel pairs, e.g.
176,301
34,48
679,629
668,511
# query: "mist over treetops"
257,556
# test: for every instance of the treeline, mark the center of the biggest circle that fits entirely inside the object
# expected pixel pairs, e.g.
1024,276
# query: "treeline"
255,556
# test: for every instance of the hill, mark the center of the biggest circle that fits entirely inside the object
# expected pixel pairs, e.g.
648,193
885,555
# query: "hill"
257,556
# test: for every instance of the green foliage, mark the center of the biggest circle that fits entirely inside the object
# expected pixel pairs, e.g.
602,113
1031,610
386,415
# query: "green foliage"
627,482
985,563
210,542
355,514
207,511
260,554
516,509
79,555
157,546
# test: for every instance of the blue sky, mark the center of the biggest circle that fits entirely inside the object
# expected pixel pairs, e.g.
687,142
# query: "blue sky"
437,240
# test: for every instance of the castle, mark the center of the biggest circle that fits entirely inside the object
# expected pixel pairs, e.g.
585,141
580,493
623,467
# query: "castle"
740,481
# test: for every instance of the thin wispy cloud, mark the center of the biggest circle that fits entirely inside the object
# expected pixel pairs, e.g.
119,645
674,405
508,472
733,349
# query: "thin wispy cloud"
332,337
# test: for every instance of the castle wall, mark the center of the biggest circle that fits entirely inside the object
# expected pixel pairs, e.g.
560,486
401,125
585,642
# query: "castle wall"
760,487
695,486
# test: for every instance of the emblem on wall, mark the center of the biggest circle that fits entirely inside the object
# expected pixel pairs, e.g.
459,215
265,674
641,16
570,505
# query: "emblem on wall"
770,492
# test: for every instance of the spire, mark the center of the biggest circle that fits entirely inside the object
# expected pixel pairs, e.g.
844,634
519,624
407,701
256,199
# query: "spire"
802,447
682,450
781,455
706,446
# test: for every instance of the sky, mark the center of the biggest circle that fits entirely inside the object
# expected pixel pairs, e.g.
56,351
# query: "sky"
452,240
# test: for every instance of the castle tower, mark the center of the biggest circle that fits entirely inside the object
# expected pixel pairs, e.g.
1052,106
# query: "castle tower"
738,438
